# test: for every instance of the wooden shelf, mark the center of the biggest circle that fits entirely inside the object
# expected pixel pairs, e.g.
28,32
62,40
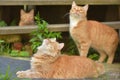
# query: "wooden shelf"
51,27
16,29
29,29
57,2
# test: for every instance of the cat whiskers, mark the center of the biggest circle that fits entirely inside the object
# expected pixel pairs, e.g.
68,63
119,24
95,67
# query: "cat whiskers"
66,15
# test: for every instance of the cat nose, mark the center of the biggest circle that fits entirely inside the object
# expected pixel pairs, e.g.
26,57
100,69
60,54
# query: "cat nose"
77,13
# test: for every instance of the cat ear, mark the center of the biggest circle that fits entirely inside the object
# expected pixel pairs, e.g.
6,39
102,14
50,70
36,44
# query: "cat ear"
73,4
53,39
86,7
61,45
22,11
32,11
45,41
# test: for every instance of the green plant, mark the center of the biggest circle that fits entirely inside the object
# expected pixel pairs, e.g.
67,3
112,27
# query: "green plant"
4,47
41,33
70,47
3,23
13,22
24,54
8,75
16,53
94,56
1,46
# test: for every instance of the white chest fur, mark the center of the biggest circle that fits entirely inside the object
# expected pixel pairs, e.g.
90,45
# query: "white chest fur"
73,22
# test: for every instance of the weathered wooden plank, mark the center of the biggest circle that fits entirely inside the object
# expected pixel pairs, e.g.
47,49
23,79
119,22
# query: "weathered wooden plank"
58,27
17,29
112,67
114,24
51,27
58,2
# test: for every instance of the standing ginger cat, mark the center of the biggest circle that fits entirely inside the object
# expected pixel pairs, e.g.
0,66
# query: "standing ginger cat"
49,63
88,33
26,18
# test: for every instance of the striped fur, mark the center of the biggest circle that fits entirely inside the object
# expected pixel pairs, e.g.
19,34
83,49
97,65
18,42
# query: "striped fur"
54,65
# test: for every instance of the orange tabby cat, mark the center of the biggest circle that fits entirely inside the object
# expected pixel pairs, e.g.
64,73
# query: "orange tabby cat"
88,33
49,63
26,18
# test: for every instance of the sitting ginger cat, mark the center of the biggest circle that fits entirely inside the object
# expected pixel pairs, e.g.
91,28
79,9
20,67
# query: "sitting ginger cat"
48,62
89,33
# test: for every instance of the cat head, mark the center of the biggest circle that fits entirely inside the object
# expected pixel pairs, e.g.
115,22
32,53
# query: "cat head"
50,47
27,17
78,11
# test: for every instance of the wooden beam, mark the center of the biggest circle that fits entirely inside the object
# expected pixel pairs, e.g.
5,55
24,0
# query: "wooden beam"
17,29
115,67
113,24
57,2
51,27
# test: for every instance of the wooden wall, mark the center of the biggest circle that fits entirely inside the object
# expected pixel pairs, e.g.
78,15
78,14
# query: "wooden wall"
9,13
59,14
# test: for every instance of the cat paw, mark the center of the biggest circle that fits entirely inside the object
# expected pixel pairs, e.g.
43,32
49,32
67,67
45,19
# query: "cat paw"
21,74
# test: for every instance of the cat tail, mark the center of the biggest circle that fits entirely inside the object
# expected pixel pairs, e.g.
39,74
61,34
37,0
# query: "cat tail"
100,68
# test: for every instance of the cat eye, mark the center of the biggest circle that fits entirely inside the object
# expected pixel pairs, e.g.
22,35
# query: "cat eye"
77,9
81,10
50,47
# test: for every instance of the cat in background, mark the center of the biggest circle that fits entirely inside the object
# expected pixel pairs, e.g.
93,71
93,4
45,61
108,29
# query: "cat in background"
26,18
48,62
89,33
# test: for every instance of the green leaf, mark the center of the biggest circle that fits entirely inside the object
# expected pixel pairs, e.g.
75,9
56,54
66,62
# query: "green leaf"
14,53
3,23
2,41
24,54
33,39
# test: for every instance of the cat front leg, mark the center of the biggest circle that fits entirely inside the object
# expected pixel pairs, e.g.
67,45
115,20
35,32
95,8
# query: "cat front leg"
28,74
110,58
84,48
23,74
78,47
102,56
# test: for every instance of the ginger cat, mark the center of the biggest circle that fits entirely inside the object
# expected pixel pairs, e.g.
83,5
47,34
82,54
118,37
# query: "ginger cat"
48,62
88,33
26,18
